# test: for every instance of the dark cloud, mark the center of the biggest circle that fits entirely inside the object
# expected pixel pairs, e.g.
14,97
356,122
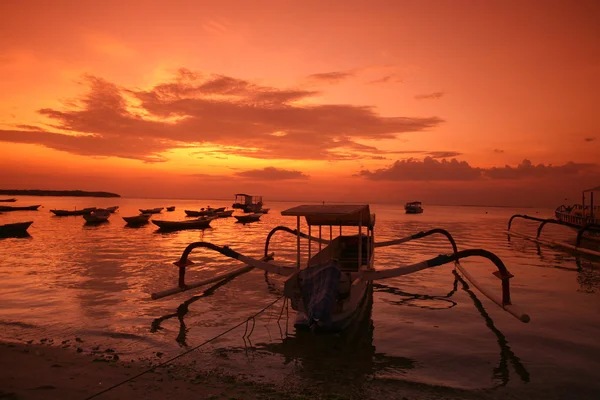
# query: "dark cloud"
192,110
430,96
332,77
433,170
427,170
498,151
443,154
589,139
272,173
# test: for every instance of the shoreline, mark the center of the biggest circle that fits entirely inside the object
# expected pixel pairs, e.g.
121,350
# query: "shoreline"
56,193
43,371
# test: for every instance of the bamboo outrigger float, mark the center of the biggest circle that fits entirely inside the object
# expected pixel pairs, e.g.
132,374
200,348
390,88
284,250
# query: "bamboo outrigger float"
331,288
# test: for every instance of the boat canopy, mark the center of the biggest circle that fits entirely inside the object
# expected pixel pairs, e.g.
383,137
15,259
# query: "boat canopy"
334,214
596,189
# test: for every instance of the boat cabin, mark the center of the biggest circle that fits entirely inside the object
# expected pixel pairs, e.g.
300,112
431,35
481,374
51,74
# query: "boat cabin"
245,201
413,207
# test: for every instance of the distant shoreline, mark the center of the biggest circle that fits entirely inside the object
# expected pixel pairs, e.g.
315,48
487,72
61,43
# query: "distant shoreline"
57,193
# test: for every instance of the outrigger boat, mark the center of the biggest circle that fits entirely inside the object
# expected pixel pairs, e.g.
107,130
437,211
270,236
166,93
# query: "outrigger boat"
64,213
137,219
244,219
580,214
200,223
8,200
156,210
16,229
331,288
24,208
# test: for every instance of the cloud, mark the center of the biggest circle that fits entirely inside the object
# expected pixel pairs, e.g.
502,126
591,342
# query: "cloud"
589,139
332,77
443,154
427,170
431,96
500,151
272,174
392,78
431,169
193,111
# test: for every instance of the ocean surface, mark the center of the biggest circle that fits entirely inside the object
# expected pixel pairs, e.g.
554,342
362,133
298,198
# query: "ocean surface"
69,281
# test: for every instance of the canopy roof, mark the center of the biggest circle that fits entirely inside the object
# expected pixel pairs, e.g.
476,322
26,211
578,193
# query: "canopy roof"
334,214
596,189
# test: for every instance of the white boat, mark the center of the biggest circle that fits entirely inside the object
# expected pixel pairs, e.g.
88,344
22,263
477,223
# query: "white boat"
329,290
414,207
97,216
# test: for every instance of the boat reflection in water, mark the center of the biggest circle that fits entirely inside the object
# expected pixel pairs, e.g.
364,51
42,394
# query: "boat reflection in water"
349,357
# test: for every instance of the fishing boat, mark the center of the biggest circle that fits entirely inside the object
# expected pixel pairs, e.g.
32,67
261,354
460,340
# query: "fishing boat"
414,207
329,290
156,210
247,202
224,214
172,208
200,223
63,213
248,218
137,219
580,214
25,208
97,216
8,200
204,212
16,229
112,209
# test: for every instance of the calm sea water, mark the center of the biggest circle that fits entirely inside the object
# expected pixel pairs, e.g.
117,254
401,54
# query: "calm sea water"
68,280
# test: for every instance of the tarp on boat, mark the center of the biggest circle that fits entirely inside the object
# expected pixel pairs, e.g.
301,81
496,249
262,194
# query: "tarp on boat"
319,286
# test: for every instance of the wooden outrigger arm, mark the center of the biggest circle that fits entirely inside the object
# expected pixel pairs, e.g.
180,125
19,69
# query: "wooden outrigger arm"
251,263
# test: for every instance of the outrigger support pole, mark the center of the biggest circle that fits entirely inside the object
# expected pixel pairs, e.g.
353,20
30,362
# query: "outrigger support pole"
251,263
419,236
554,221
524,217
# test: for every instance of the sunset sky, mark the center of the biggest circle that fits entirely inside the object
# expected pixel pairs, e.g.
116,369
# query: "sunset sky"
447,102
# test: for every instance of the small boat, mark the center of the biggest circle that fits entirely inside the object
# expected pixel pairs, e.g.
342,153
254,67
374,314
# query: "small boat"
25,208
247,202
248,218
200,223
16,229
224,214
138,219
63,213
580,214
264,210
204,212
172,208
112,209
97,216
329,288
156,210
413,207
8,200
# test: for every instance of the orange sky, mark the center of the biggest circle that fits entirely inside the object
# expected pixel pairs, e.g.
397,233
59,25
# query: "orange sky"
460,102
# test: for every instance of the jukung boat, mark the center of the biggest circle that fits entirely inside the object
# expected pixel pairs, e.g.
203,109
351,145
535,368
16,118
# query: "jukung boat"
19,228
156,210
204,212
247,202
330,290
97,216
63,213
224,214
8,200
112,209
171,208
137,219
199,223
24,208
580,214
413,207
248,218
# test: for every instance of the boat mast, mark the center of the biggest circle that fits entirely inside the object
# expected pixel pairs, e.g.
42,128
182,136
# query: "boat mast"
298,242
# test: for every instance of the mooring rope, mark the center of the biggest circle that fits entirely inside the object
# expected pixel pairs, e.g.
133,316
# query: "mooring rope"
188,351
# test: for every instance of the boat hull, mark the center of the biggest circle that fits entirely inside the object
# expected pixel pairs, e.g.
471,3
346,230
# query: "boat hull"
64,213
248,218
19,228
181,225
138,219
25,208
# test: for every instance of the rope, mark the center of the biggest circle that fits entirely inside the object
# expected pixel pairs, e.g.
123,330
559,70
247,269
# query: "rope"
186,352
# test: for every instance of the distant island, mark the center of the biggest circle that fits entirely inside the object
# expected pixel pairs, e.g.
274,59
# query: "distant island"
72,193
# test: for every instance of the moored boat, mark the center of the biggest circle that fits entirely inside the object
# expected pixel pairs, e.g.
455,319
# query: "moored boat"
580,214
171,208
138,219
63,213
224,214
248,218
204,212
156,210
112,209
15,229
413,207
247,202
24,208
8,200
97,216
329,289
200,223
